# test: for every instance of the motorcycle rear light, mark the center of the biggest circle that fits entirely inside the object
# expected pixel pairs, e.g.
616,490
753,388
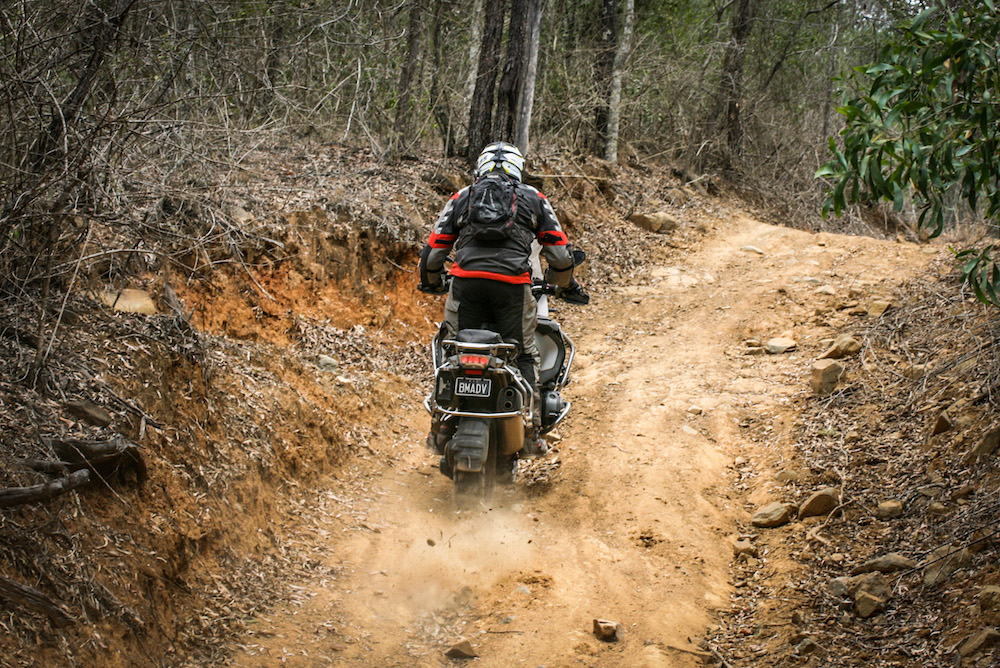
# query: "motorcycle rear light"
474,361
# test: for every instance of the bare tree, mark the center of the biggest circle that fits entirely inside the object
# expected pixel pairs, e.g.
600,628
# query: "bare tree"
514,66
530,76
731,85
407,74
481,109
615,95
603,68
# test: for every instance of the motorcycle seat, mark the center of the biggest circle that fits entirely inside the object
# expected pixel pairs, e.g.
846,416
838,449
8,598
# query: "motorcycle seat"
478,336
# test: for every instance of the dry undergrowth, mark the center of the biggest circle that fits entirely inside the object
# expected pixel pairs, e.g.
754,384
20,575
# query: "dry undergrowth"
901,427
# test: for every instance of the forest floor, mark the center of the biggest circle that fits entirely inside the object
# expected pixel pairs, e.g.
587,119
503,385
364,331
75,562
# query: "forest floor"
292,515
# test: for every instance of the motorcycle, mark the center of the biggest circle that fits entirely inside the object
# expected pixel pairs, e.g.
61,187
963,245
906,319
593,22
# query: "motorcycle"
481,407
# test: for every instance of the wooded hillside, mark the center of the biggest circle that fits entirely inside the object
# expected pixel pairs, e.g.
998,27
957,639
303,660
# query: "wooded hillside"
131,114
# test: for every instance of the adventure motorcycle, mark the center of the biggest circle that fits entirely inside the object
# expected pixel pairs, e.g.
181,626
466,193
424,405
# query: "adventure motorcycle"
481,406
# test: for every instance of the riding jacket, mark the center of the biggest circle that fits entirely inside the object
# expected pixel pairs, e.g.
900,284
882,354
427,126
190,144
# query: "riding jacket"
506,260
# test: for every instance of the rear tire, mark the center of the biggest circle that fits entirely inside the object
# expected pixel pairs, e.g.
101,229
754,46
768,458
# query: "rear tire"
475,489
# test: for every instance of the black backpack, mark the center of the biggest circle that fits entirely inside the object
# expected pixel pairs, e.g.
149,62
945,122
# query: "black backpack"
492,211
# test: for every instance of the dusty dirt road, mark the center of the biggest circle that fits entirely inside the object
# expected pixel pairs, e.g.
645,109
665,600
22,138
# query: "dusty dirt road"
636,521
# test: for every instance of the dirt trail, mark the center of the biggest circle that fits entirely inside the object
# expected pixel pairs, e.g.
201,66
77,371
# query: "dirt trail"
635,524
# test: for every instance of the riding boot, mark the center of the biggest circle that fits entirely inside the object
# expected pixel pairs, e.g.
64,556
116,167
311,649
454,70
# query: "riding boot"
534,444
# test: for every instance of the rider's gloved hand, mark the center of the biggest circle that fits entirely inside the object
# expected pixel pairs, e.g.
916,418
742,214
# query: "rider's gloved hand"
574,293
439,288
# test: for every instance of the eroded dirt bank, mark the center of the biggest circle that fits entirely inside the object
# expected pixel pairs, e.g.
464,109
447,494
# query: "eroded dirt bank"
630,519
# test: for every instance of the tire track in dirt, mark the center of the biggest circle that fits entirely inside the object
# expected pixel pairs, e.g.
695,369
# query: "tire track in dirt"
633,527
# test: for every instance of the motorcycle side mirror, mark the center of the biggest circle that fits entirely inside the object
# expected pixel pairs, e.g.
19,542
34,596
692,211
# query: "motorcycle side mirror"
579,257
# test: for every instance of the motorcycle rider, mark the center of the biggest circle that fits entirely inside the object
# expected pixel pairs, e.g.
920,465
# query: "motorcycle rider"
491,279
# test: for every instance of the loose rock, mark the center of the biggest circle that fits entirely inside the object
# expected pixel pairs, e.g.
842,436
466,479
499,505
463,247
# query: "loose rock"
887,563
780,345
772,515
937,508
462,650
820,503
844,345
129,301
745,547
942,424
989,603
866,604
986,447
871,595
944,561
790,475
608,631
660,222
327,363
825,376
878,308
809,646
890,509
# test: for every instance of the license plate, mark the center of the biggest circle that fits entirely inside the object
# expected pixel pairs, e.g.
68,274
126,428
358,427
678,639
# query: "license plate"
473,387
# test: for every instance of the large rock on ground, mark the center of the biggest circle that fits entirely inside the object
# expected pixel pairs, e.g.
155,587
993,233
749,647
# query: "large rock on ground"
129,301
867,604
772,515
825,376
943,562
986,447
660,222
871,594
779,345
887,563
889,509
820,503
844,345
90,412
608,631
462,650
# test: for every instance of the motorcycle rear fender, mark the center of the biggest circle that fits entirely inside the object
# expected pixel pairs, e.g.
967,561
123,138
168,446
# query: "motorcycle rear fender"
468,447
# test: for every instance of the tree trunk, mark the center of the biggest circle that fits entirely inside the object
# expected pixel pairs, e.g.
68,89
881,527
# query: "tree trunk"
481,109
731,86
441,107
512,81
831,72
530,76
475,45
615,97
603,68
406,75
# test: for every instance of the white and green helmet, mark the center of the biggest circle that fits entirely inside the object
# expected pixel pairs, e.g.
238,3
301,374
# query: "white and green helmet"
500,155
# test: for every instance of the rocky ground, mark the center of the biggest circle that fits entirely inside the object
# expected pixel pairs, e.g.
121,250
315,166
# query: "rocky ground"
781,450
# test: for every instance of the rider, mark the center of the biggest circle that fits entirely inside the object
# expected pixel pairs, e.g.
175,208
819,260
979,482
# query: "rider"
491,280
